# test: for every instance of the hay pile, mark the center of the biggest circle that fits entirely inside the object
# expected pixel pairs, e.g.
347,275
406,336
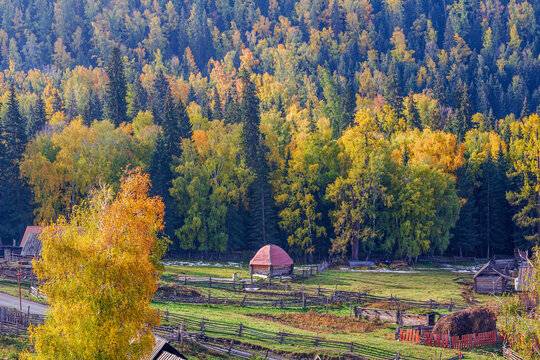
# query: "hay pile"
475,320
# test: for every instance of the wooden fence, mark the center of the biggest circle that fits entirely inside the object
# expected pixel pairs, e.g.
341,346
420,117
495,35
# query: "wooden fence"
449,342
14,322
303,299
510,354
204,326
35,292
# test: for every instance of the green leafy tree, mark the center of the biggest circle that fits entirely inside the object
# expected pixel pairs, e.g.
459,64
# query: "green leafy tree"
212,177
313,166
525,158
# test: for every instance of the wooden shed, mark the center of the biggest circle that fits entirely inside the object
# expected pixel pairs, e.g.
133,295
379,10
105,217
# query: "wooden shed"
162,350
271,260
30,243
492,278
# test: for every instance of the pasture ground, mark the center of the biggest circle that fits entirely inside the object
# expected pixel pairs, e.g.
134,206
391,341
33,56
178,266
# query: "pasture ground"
419,283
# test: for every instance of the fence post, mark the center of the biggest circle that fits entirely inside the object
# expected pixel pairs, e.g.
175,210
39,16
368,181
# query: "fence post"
319,290
185,280
352,347
281,302
230,347
167,315
240,328
210,282
326,305
202,324
243,300
181,333
311,271
208,297
303,299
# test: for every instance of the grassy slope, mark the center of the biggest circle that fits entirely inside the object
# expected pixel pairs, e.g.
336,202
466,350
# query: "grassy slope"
382,338
433,284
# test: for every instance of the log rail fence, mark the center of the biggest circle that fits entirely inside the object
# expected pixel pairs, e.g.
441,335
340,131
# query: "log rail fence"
204,326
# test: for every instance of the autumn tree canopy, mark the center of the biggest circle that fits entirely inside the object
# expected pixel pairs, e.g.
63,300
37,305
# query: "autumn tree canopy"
99,269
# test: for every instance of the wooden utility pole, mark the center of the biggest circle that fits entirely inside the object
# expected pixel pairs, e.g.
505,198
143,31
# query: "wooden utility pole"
19,281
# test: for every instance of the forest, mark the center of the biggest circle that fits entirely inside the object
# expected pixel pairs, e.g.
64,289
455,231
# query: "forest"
390,128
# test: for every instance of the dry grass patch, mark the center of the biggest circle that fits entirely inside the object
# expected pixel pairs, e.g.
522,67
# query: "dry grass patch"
390,305
322,323
176,290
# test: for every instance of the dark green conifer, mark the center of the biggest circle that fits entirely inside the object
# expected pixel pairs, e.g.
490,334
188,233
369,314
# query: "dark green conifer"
413,117
262,220
15,210
116,91
37,119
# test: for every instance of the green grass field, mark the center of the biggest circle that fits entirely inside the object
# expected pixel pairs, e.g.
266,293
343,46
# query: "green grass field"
428,282
423,284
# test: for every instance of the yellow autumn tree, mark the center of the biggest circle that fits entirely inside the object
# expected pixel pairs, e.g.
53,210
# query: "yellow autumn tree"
100,271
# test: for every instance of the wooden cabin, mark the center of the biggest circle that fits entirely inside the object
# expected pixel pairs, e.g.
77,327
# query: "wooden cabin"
30,243
492,277
162,350
271,260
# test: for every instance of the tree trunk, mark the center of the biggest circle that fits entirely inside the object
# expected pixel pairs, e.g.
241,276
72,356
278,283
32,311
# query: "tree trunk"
355,247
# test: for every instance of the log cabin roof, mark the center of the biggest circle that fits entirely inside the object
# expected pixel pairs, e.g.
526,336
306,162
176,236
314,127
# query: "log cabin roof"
162,350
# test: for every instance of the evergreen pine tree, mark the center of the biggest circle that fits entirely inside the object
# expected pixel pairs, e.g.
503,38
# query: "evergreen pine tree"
191,95
161,176
262,224
37,119
232,110
461,122
159,95
336,18
218,108
392,92
349,107
93,109
525,109
175,126
138,102
493,213
15,211
116,91
413,117
465,240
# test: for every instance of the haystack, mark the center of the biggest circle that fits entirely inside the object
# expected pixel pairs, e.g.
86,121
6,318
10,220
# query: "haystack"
470,321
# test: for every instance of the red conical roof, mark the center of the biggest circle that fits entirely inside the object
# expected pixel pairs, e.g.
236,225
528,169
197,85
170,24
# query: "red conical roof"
271,255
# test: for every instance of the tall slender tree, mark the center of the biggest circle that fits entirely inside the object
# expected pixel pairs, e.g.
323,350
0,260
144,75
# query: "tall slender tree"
37,119
15,210
262,220
116,91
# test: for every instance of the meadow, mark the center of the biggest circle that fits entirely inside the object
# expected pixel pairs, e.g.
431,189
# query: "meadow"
423,282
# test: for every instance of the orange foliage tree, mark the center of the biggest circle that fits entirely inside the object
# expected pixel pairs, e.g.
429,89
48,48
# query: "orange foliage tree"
100,270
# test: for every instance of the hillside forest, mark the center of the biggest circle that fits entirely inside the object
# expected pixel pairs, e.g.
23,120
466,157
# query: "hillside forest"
391,128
